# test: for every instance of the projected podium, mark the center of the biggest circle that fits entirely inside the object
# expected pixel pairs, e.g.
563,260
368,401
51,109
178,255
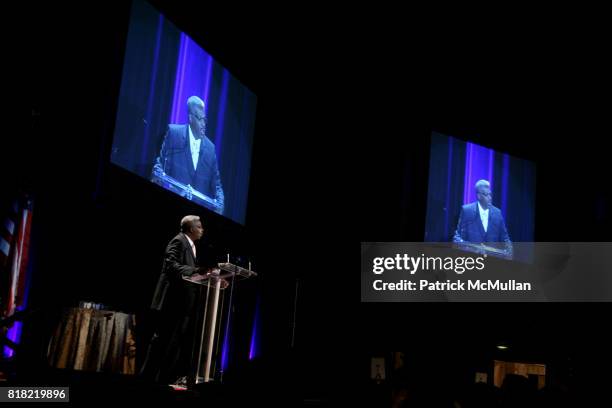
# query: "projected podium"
185,190
214,313
486,248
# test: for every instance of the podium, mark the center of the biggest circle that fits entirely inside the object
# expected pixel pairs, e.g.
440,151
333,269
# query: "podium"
214,312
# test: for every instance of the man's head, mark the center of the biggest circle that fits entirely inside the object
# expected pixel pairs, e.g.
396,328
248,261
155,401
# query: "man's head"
483,192
197,117
192,227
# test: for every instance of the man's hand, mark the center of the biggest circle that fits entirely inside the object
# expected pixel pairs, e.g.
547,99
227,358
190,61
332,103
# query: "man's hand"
198,277
202,274
214,273
205,273
224,283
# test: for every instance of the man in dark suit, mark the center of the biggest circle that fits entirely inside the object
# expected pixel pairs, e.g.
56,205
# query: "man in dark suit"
481,222
175,301
188,156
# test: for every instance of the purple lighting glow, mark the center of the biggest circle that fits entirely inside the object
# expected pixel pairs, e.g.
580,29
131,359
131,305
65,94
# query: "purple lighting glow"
192,62
221,116
254,347
478,165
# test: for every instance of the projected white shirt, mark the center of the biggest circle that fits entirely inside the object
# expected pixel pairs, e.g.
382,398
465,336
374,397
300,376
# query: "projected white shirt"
484,216
194,145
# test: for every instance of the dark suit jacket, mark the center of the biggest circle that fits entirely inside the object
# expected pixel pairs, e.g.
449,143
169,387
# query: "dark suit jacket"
172,292
175,300
470,228
175,160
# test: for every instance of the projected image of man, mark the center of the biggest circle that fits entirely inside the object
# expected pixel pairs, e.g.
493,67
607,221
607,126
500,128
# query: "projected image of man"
481,221
188,157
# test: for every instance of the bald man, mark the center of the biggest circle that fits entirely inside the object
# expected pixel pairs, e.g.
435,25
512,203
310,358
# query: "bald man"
188,156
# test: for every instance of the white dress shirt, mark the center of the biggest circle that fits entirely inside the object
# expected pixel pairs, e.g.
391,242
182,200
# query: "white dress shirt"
194,145
484,216
192,245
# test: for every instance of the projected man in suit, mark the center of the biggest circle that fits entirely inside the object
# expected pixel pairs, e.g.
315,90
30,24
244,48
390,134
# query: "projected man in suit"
170,351
480,221
188,156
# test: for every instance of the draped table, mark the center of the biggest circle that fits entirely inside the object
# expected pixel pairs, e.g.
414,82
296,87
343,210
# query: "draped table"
94,340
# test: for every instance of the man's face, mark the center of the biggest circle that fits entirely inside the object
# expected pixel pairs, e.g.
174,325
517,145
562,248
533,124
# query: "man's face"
197,231
484,196
197,122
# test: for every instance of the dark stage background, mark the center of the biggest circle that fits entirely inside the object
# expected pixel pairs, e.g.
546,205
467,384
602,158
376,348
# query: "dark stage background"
100,232
341,155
